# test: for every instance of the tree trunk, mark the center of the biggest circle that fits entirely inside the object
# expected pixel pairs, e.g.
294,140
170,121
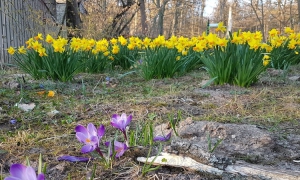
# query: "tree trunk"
73,21
260,20
298,3
143,17
176,16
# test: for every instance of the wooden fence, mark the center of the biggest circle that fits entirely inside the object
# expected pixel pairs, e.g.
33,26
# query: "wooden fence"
19,21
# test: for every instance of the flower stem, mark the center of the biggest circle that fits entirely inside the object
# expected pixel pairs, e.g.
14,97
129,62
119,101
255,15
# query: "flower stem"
99,151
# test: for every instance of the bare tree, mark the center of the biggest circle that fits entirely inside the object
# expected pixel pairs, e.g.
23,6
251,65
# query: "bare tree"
258,5
143,17
73,20
298,5
175,28
158,20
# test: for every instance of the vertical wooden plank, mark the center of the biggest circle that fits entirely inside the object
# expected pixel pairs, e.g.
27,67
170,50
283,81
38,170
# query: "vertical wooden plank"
19,21
4,26
1,35
9,30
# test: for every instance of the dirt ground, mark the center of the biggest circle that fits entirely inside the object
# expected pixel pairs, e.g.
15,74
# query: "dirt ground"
272,104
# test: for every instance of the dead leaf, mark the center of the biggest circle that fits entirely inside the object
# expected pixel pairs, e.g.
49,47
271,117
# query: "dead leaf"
26,107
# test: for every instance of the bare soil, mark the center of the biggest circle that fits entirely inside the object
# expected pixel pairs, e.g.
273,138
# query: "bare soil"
272,104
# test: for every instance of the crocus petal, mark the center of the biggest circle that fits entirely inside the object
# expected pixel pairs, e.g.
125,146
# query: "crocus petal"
92,129
162,138
117,125
129,118
41,176
81,128
101,131
30,173
12,178
115,116
126,120
87,148
94,140
73,159
17,170
120,148
107,143
82,137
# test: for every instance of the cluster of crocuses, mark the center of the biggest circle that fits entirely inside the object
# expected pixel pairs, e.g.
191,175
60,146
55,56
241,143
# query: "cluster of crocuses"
91,138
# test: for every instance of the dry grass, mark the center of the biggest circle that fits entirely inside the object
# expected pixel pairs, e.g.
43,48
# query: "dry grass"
269,103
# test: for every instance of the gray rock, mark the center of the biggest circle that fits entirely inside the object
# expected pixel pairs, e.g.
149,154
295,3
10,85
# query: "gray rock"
242,140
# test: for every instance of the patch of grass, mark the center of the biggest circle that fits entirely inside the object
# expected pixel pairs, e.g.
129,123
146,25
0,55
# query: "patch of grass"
266,104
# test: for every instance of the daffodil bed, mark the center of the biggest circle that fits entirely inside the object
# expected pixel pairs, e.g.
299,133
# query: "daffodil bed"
72,88
49,128
237,59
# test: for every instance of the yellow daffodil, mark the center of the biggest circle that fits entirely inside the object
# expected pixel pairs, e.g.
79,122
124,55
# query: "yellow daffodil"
159,41
130,46
266,60
22,50
58,46
258,36
200,46
184,52
41,92
122,40
288,30
222,42
292,44
36,45
49,39
115,49
221,27
51,93
111,58
273,32
146,42
11,50
267,47
113,41
254,44
106,53
29,41
211,40
42,52
95,51
39,37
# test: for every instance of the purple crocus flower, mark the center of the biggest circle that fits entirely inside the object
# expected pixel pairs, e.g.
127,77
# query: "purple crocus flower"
13,121
121,122
21,172
162,138
119,148
73,158
89,136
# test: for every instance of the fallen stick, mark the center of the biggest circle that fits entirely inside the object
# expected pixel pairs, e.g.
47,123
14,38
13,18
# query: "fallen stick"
166,159
179,161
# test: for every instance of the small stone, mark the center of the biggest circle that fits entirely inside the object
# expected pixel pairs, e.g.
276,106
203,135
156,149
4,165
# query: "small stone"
294,78
52,113
26,107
